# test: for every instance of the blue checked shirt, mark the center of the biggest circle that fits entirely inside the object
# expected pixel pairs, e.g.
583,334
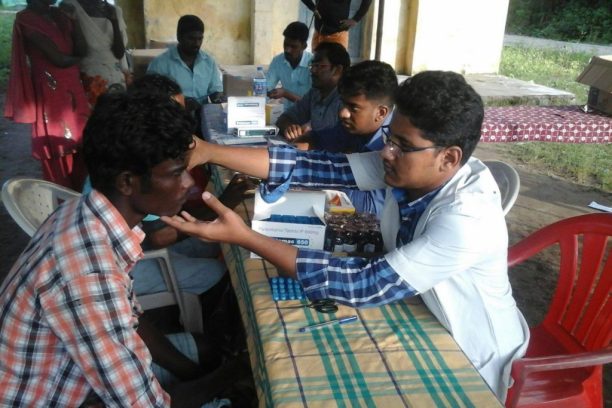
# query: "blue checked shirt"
338,139
353,281
410,212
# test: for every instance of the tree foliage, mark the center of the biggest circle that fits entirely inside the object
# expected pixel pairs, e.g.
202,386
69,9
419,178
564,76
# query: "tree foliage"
566,20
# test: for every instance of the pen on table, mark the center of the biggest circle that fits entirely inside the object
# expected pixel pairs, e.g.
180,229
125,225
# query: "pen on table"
342,320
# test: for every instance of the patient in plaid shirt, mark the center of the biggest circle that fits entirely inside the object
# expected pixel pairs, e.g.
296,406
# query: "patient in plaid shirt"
69,320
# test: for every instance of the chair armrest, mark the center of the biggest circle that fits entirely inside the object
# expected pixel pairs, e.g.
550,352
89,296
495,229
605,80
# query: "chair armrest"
155,253
188,303
562,362
521,368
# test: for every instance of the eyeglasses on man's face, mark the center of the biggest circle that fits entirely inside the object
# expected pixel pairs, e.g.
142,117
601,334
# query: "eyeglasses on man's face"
315,66
397,150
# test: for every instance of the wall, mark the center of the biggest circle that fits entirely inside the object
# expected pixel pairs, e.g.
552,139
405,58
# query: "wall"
134,18
227,25
270,17
461,36
396,38
467,37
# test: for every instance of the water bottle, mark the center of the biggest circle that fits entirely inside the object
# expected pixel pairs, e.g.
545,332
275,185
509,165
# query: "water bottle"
260,84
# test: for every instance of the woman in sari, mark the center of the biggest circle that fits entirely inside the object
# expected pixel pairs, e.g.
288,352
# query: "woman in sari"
104,68
45,89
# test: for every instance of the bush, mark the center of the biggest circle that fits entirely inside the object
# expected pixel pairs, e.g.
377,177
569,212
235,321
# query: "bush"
566,20
6,32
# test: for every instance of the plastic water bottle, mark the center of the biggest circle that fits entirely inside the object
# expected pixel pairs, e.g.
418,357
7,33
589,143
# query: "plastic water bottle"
260,84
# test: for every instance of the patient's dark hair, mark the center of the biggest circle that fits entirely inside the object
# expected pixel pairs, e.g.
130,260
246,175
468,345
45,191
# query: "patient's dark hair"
156,84
133,132
444,107
189,23
296,31
335,53
375,80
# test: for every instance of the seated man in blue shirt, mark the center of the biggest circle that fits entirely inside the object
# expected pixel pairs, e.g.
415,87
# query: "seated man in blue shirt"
443,226
194,70
318,109
291,67
366,91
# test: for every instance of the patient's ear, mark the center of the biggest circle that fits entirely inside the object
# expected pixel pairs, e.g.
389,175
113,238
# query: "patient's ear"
125,183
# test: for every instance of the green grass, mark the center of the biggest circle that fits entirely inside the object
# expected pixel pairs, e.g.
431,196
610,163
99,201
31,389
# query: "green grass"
587,164
6,31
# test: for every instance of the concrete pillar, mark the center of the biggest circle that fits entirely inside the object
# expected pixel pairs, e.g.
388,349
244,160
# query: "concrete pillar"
134,19
268,20
262,20
461,36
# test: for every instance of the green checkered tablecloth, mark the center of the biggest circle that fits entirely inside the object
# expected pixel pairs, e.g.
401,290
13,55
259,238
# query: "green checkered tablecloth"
396,355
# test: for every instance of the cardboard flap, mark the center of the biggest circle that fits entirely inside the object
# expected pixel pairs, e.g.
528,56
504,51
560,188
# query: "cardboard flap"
308,203
598,73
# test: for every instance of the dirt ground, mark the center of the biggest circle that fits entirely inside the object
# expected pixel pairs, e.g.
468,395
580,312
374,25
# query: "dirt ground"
543,199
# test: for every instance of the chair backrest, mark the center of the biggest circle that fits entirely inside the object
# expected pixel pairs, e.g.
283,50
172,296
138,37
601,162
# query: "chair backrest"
580,313
508,181
152,43
30,201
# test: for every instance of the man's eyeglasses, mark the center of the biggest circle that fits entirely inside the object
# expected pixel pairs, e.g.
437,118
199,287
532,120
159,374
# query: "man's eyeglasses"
398,150
316,66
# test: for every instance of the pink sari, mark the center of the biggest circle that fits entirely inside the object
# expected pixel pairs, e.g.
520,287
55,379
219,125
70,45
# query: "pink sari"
49,97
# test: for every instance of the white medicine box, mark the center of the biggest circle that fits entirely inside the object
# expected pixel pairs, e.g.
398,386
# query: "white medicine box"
275,219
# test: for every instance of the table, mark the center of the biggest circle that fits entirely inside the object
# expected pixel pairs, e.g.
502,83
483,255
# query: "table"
396,355
566,124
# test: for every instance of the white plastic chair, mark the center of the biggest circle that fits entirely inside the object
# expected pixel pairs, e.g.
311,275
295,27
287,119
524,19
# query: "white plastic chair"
30,201
508,181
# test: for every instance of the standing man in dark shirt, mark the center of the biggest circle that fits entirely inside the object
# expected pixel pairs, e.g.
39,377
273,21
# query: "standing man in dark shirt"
332,20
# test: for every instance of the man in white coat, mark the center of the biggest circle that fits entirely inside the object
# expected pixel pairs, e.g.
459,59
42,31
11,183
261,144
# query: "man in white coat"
442,222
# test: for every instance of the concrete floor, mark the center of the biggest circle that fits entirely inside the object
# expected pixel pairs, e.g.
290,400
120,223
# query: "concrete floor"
499,90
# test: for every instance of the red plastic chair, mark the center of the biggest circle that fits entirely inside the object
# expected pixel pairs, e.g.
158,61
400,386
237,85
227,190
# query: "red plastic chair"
563,363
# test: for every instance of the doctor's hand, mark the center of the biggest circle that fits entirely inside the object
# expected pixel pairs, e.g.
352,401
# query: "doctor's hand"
228,227
197,153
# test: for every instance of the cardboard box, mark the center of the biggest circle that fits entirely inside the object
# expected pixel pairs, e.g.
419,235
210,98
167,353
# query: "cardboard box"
598,75
237,85
238,79
246,112
298,203
273,112
338,202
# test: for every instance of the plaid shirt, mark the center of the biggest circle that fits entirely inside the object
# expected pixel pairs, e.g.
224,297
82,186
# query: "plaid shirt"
354,281
68,315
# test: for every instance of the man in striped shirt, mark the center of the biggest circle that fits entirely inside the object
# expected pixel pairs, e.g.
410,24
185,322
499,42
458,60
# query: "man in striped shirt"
442,223
69,321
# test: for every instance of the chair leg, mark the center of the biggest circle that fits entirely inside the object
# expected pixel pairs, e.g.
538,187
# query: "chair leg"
191,316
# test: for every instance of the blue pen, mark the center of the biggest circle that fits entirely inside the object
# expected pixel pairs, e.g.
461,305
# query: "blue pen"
342,320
